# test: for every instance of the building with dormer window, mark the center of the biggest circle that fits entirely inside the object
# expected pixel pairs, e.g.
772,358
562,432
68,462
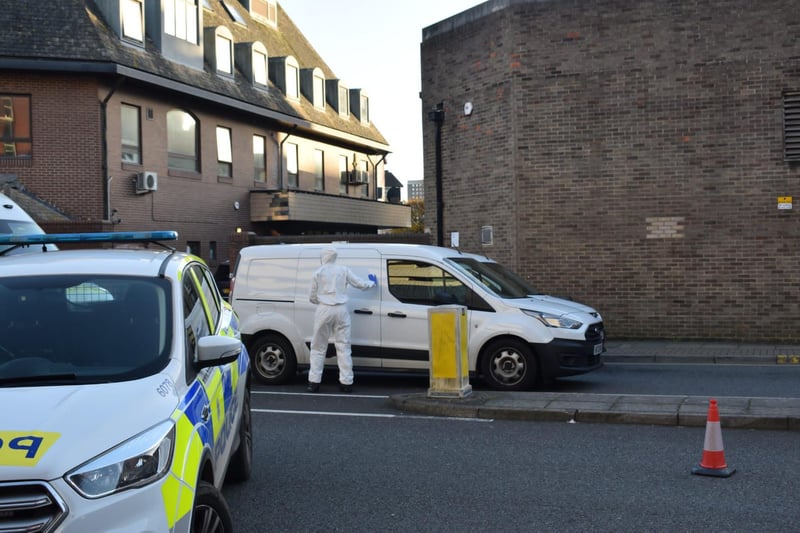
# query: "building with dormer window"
208,117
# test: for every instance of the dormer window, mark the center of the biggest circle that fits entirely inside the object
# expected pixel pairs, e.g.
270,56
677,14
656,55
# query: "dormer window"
133,21
285,73
359,105
260,64
344,101
251,60
219,49
180,19
265,11
312,85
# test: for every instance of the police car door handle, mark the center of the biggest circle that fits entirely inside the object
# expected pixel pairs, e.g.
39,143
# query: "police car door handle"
363,311
205,413
397,315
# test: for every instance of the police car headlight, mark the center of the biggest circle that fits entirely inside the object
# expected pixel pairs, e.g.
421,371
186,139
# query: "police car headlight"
136,462
553,321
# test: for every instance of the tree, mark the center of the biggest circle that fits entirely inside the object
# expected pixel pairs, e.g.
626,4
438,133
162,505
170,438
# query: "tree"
417,215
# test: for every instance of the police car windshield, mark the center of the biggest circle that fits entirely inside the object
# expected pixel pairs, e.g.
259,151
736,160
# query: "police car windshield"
495,277
67,328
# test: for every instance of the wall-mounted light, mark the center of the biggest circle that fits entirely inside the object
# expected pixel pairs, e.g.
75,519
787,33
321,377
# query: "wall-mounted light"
468,109
236,205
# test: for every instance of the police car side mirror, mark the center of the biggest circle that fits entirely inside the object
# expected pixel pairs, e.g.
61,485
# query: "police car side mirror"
214,350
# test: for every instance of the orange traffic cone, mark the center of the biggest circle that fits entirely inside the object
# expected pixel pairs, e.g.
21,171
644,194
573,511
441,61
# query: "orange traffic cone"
713,462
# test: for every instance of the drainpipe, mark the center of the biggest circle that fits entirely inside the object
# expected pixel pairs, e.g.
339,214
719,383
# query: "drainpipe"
375,174
437,116
104,150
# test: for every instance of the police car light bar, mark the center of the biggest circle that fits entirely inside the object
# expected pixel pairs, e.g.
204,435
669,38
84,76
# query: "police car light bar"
120,236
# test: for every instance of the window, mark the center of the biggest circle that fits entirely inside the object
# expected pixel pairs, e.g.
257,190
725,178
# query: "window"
416,282
259,64
292,78
343,174
791,126
344,101
259,159
133,20
131,126
233,12
364,110
15,127
319,170
224,153
264,11
224,53
182,141
291,164
319,89
180,19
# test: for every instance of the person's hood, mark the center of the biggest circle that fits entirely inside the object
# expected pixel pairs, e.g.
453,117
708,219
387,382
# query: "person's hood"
327,256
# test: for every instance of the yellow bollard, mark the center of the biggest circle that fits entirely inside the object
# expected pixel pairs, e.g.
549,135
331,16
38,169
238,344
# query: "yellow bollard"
447,340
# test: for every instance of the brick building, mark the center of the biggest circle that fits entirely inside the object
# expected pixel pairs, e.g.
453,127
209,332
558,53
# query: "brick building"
201,116
638,156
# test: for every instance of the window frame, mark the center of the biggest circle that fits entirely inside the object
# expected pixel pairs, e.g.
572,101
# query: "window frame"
223,53
132,18
127,147
260,171
182,23
291,155
224,138
175,156
319,170
10,137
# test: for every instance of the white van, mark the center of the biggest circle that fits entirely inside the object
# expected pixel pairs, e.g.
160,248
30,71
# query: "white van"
516,337
15,221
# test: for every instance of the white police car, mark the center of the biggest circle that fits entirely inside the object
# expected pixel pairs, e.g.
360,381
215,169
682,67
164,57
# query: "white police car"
124,387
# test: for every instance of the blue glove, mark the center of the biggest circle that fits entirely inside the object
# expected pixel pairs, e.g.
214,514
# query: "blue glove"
373,278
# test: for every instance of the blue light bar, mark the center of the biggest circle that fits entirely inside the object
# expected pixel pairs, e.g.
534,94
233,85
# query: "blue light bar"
119,236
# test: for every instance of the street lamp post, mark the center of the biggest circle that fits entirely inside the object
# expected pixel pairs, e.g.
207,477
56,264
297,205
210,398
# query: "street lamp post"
437,116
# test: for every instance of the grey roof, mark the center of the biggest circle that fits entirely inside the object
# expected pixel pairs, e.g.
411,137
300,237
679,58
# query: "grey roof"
391,180
72,36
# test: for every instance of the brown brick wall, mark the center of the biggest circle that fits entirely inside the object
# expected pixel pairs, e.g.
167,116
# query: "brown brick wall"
67,161
629,155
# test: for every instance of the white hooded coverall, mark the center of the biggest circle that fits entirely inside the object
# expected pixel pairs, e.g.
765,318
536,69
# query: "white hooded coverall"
329,293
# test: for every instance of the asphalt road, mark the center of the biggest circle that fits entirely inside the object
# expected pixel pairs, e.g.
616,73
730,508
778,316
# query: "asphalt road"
345,463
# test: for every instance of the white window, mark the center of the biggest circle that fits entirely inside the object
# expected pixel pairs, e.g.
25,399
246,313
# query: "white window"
180,19
259,159
133,20
319,170
291,164
344,101
292,79
343,174
182,141
319,90
224,152
260,66
224,49
130,119
364,109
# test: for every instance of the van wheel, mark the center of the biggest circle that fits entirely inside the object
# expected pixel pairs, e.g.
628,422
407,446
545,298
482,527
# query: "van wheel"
274,361
508,364
211,513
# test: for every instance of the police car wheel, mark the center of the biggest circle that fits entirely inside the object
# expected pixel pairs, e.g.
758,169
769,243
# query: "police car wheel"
241,464
508,364
211,513
274,361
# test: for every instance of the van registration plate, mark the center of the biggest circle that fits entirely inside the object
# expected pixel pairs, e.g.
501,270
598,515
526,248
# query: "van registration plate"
598,349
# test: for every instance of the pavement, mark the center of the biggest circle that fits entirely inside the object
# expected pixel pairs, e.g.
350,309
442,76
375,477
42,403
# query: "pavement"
666,410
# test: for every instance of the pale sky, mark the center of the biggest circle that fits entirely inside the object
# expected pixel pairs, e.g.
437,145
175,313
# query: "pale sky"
374,45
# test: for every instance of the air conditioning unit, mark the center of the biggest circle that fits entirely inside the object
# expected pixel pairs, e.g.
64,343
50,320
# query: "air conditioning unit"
358,177
146,182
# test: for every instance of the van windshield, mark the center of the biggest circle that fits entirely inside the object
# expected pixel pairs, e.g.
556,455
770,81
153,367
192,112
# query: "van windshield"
495,277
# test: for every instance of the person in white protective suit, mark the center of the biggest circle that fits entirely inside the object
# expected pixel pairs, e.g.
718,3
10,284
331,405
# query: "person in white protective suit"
329,293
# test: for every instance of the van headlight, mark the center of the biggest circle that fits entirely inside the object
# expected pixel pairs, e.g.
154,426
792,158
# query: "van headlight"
553,321
134,463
